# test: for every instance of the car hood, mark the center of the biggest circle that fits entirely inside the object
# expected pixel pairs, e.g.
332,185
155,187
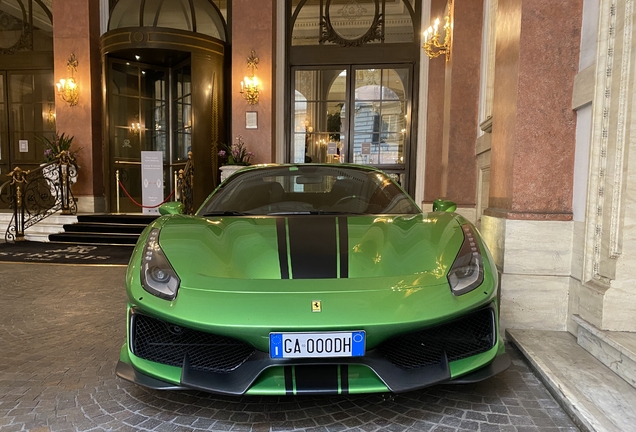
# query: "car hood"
310,247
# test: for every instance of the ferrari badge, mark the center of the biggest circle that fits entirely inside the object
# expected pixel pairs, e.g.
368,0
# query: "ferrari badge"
316,306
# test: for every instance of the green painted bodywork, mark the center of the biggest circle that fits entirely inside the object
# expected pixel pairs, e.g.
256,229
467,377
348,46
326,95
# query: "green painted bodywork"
231,285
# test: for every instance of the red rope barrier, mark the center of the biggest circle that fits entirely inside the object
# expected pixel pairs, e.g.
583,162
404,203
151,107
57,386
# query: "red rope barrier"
141,205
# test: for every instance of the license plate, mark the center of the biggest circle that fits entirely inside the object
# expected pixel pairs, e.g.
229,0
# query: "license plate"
312,345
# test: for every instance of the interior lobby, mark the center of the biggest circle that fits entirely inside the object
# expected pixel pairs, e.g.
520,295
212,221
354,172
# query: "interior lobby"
520,111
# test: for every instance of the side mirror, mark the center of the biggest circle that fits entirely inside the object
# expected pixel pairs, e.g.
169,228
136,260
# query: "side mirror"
171,208
440,205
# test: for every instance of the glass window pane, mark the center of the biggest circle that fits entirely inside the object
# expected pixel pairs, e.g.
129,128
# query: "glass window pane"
124,79
394,83
319,115
209,21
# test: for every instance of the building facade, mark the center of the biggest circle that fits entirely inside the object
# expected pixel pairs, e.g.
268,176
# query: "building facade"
528,123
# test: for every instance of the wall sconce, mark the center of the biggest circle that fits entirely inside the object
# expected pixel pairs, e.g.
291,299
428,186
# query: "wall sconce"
135,128
249,85
67,88
432,45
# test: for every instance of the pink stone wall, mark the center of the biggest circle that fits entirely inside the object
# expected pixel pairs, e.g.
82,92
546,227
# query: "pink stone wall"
435,118
453,108
76,31
463,71
253,28
532,161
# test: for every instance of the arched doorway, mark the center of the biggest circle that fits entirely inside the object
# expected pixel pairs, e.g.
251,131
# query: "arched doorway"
353,68
164,67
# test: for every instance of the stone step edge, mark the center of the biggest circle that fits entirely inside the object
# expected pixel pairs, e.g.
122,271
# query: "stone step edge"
583,411
619,358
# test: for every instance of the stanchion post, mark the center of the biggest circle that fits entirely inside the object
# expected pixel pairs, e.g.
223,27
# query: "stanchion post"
177,196
117,188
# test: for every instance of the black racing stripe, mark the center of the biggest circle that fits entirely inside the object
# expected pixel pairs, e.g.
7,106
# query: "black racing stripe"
343,237
317,379
344,379
289,381
282,248
313,247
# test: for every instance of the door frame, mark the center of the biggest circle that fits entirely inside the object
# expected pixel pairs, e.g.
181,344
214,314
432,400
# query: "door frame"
409,153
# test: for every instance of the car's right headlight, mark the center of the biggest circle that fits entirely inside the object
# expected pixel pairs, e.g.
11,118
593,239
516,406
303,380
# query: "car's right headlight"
157,275
467,271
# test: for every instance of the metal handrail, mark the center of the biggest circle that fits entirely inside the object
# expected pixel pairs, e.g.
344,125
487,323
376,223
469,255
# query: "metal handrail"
37,194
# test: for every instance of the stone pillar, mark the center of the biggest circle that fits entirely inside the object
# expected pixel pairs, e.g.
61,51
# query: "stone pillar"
76,31
254,28
528,223
452,125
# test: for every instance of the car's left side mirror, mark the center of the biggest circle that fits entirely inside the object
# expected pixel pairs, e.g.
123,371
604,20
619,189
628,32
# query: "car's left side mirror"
171,208
440,205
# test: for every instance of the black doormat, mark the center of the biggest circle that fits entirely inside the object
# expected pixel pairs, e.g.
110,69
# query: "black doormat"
64,253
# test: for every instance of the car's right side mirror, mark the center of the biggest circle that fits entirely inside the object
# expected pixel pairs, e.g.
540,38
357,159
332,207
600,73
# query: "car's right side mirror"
171,208
440,205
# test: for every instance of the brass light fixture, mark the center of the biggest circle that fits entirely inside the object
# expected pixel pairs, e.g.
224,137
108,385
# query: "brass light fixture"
135,128
249,85
67,88
433,47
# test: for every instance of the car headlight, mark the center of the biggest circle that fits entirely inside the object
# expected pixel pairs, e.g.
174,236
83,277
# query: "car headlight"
467,271
157,275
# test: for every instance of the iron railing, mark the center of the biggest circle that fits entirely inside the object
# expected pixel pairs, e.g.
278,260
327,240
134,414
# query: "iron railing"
37,194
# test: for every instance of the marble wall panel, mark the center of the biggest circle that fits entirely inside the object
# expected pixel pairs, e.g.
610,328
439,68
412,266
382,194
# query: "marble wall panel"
591,304
538,247
573,305
534,302
493,231
578,249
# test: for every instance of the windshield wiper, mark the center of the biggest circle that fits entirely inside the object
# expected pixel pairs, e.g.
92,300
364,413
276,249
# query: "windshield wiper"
224,213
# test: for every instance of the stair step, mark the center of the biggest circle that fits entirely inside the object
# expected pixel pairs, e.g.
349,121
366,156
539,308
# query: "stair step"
94,238
616,350
137,219
102,228
590,392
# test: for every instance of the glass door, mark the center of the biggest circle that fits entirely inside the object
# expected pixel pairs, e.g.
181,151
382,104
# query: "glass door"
376,131
4,132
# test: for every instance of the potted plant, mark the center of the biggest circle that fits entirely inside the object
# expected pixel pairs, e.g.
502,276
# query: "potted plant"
234,157
57,148
60,143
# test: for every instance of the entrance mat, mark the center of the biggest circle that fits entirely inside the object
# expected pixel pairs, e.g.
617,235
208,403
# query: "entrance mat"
64,253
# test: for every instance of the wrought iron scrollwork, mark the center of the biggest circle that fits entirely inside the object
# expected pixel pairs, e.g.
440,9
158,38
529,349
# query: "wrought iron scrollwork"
185,183
37,194
329,34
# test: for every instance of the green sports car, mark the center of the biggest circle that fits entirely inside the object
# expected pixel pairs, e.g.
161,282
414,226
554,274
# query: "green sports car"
310,278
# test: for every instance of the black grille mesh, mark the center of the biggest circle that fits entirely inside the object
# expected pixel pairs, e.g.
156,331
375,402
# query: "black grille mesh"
167,343
467,336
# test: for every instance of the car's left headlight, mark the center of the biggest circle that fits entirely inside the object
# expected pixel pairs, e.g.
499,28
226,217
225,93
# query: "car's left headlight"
157,275
467,271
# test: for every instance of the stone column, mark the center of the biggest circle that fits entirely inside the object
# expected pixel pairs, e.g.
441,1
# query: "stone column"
528,223
76,31
254,28
452,124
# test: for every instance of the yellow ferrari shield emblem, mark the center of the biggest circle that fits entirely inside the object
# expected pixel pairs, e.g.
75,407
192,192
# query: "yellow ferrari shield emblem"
316,306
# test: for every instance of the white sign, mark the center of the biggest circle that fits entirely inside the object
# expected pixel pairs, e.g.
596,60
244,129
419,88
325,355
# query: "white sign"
151,180
24,146
332,149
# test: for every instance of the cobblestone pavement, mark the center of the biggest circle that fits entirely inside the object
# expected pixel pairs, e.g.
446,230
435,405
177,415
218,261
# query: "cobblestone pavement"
61,329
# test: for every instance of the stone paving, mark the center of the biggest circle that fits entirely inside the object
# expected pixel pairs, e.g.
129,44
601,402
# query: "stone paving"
61,329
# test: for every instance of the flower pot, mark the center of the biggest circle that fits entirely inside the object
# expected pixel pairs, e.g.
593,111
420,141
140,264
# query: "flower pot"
228,170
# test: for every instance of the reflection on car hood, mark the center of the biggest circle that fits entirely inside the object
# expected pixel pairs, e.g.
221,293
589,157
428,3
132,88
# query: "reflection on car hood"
310,247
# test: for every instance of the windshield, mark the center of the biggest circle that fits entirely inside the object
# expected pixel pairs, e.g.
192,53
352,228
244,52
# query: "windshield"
308,189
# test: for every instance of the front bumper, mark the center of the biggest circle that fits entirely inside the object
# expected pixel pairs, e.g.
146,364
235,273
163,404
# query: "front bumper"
213,384
402,363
